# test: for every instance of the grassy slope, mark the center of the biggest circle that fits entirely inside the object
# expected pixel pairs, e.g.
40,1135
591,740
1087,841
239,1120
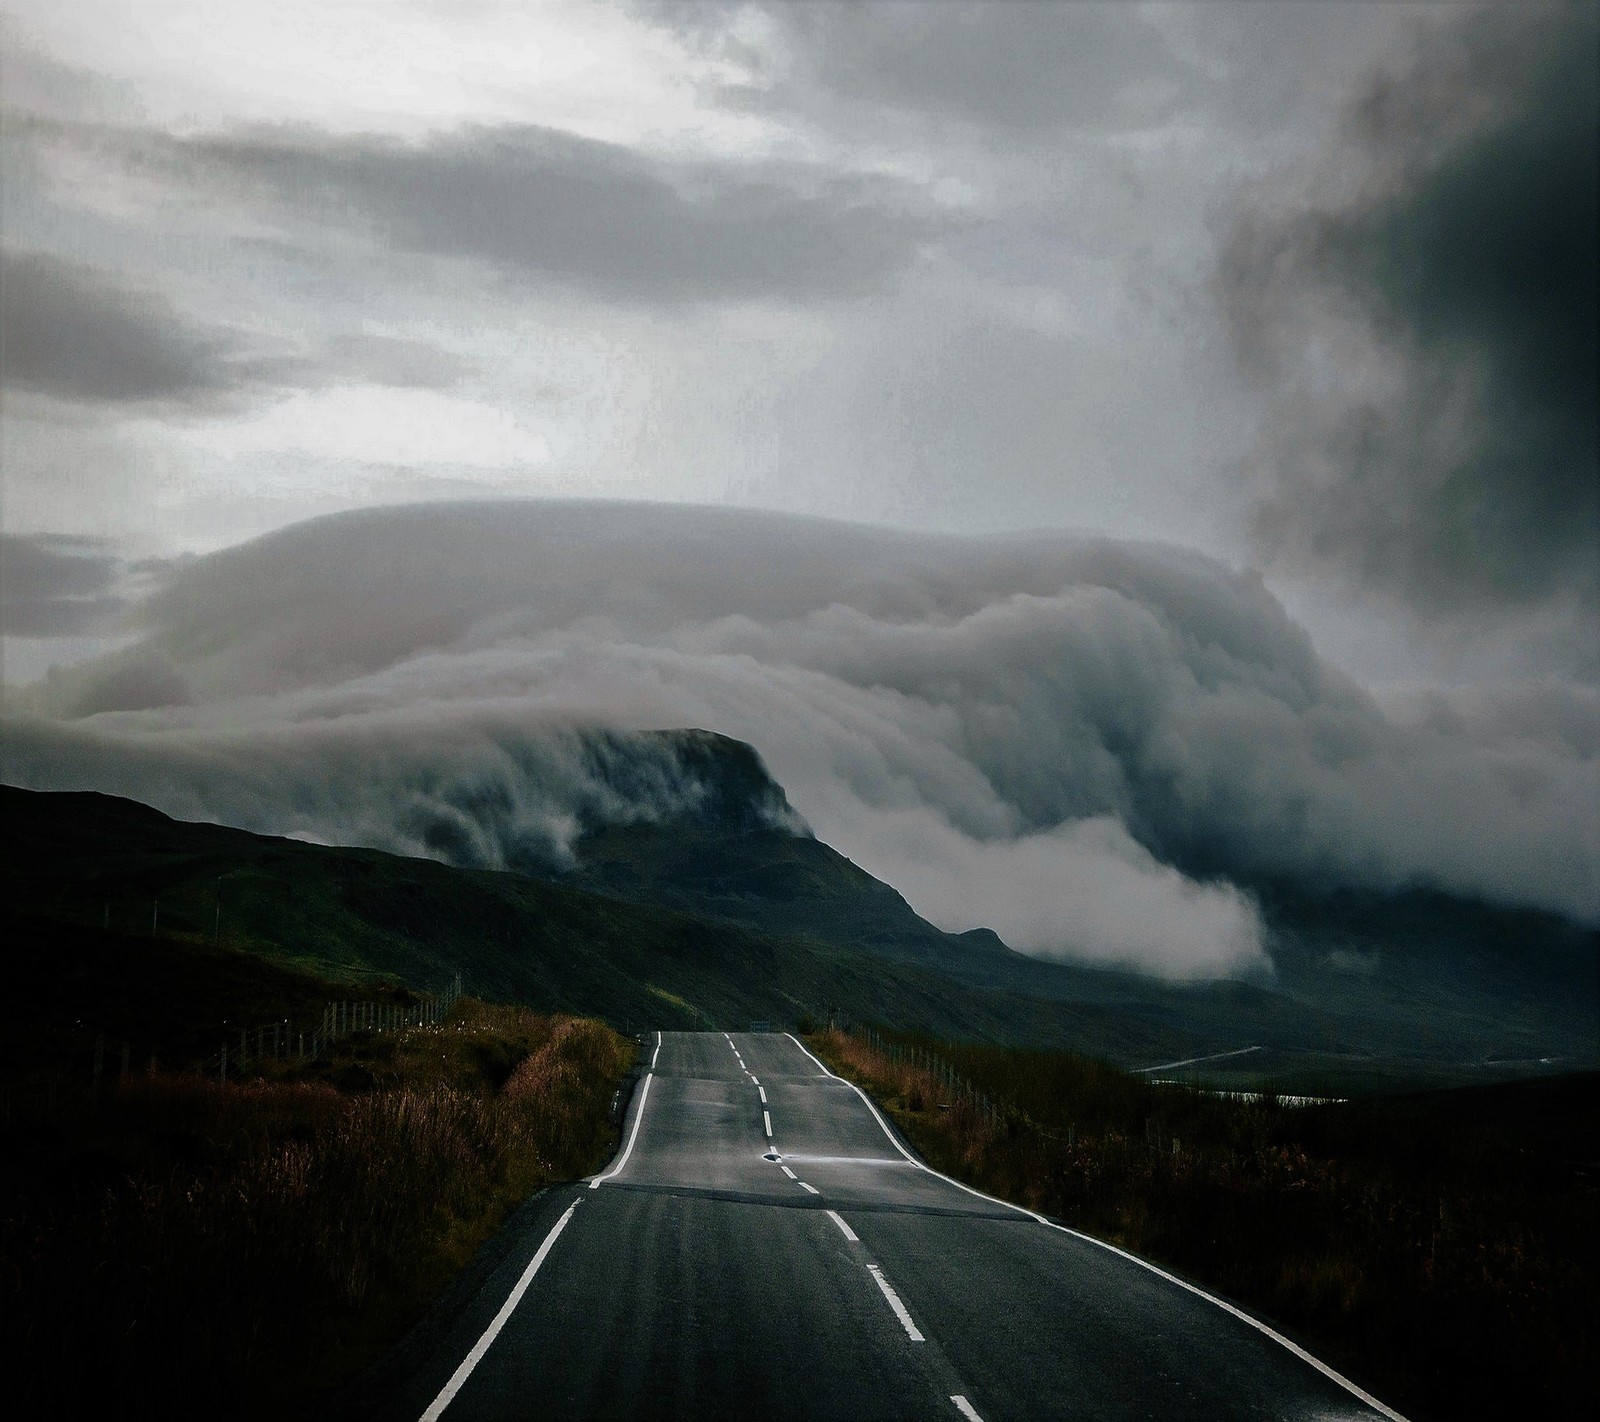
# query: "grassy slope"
233,1248
1368,996
364,916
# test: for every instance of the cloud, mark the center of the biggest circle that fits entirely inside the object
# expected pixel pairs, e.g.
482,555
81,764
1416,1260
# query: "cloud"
79,333
603,219
56,586
1022,68
1425,321
1093,747
93,337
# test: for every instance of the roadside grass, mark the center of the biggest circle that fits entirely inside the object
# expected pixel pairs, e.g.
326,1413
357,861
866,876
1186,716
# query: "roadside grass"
1442,1249
191,1248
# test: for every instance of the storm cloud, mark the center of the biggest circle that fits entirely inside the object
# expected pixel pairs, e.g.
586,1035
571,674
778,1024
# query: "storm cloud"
1087,745
1025,69
55,586
536,203
1426,318
78,333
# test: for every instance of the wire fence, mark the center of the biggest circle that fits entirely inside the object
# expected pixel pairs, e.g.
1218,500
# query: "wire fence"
957,1088
105,1062
280,1041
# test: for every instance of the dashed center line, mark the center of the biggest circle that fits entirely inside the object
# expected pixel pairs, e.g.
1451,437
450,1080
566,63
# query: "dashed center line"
785,1169
766,1120
965,1408
762,1091
844,1229
809,1189
912,1331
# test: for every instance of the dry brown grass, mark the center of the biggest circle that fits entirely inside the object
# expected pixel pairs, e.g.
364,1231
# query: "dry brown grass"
224,1248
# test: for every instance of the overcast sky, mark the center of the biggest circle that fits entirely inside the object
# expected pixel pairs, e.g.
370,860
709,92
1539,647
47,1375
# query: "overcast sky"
941,266
1220,381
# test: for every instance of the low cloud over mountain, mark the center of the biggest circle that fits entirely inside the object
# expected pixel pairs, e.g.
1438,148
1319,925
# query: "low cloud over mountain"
1083,744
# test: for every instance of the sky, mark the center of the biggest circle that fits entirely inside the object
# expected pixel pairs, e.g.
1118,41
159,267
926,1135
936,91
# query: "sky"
1289,308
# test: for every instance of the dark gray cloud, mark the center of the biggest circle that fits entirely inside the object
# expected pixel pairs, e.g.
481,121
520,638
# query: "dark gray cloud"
1429,332
79,333
606,220
52,585
1026,68
1081,743
91,336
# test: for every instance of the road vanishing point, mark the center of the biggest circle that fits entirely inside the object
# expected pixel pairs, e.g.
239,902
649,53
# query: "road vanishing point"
764,1246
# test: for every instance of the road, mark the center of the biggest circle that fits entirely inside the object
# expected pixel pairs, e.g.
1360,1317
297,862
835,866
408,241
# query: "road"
763,1246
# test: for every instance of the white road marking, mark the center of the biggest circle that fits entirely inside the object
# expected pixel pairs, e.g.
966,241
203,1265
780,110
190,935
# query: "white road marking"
884,1125
1226,1307
785,1169
844,1229
965,1408
461,1374
753,1080
766,1120
762,1092
654,1055
809,1189
1195,1061
894,1162
638,1121
912,1331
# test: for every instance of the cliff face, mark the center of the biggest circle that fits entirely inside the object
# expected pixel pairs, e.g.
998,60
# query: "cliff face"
691,820
694,779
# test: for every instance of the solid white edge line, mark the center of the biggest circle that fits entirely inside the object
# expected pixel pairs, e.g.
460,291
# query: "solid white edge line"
461,1374
912,1331
844,1229
1353,1389
965,1408
638,1120
884,1125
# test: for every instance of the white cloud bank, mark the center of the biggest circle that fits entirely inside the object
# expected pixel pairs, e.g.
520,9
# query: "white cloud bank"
1077,742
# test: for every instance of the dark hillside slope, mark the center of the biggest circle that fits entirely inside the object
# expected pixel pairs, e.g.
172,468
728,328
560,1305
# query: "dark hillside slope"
90,860
725,917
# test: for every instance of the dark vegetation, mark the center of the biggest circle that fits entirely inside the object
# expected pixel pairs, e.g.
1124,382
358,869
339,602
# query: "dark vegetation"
233,1248
1442,1248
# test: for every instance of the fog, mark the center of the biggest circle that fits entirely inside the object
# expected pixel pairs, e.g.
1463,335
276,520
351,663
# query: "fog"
1087,745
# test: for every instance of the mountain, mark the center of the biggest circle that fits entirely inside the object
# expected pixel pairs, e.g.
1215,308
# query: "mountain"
84,871
718,906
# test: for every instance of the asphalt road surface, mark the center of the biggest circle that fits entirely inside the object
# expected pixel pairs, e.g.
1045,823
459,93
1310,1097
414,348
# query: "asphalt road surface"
763,1247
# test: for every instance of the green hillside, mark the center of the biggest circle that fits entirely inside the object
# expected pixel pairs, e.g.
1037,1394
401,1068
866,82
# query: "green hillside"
723,920
77,864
